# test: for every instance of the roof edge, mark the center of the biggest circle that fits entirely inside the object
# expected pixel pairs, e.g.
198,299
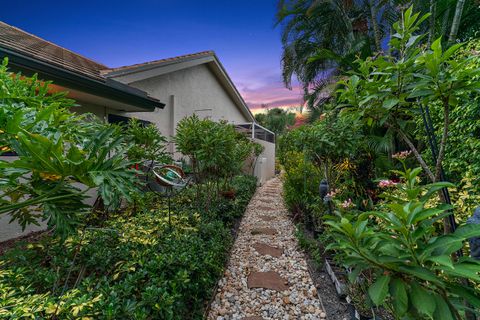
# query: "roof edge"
110,89
221,72
138,67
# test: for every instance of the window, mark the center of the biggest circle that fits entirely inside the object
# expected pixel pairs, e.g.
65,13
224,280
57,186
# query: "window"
116,119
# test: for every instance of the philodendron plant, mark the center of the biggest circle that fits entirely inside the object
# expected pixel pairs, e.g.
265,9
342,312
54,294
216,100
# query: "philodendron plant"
416,273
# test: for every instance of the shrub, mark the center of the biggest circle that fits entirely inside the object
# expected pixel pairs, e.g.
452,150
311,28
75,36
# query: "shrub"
216,151
415,276
147,143
135,267
57,151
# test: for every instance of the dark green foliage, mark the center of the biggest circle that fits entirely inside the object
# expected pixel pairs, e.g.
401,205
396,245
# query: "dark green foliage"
216,151
148,144
134,267
61,156
388,90
310,245
276,120
400,253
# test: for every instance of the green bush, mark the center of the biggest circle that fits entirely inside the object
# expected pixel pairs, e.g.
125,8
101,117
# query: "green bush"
58,151
135,267
406,261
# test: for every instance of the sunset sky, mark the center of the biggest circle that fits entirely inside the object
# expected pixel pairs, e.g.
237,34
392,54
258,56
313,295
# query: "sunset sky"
117,33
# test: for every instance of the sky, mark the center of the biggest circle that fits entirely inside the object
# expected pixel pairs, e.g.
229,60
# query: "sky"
117,33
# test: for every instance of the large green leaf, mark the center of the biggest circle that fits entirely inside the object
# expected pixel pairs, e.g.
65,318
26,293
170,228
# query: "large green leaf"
421,273
398,293
467,231
442,311
464,270
379,290
422,300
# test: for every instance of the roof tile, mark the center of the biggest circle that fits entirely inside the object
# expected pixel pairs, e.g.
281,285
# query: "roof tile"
18,40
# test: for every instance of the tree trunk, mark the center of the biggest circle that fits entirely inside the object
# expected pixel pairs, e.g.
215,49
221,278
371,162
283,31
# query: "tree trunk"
417,154
456,21
443,142
376,30
432,21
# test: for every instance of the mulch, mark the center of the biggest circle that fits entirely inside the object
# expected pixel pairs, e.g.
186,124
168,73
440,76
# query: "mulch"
28,238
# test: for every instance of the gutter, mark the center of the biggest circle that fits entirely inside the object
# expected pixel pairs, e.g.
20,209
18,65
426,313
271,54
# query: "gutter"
109,88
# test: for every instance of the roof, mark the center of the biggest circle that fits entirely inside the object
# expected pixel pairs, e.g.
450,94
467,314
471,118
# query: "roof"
154,63
35,47
60,64
31,53
136,72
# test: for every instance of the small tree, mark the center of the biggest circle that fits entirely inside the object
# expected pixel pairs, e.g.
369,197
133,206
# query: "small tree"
147,143
389,90
216,150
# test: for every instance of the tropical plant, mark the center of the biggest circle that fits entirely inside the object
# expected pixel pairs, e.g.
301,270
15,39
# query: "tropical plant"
322,39
276,120
216,150
414,274
60,156
147,143
326,143
393,90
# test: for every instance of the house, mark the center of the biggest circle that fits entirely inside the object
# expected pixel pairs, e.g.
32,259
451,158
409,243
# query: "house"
161,92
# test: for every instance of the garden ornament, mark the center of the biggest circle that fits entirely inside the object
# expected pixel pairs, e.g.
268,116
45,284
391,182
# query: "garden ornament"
323,189
475,242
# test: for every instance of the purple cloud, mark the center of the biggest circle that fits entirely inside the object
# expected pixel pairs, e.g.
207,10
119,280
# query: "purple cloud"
266,87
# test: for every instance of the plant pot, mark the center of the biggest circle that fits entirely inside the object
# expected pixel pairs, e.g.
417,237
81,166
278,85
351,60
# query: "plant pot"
334,273
228,194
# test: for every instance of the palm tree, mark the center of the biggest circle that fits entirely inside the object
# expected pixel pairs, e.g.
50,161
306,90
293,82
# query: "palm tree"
316,35
322,38
456,21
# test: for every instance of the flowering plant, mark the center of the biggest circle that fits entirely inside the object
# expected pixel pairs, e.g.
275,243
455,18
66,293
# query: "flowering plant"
415,275
386,183
401,155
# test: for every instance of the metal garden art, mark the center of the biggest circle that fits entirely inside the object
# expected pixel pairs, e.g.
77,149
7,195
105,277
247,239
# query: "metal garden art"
475,241
167,179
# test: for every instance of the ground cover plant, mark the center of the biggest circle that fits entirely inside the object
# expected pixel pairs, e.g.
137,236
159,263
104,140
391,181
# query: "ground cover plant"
135,266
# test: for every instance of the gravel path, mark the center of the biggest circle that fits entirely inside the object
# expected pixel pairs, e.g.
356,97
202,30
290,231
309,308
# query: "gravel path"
267,275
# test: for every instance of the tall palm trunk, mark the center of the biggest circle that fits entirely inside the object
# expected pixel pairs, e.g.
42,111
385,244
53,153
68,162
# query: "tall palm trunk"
376,29
456,21
432,21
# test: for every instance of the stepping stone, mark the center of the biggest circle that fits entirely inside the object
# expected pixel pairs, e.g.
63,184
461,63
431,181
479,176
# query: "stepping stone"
266,208
267,218
267,280
267,231
265,249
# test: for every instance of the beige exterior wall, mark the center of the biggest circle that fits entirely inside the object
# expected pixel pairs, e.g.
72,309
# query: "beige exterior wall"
185,92
265,166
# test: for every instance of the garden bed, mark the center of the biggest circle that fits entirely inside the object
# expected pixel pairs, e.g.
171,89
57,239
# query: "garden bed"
331,280
134,266
335,306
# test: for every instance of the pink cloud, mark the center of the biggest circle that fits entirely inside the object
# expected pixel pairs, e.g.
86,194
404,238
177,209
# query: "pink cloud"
267,91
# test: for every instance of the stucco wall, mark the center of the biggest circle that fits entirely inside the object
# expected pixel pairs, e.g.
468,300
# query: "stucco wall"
265,166
185,92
